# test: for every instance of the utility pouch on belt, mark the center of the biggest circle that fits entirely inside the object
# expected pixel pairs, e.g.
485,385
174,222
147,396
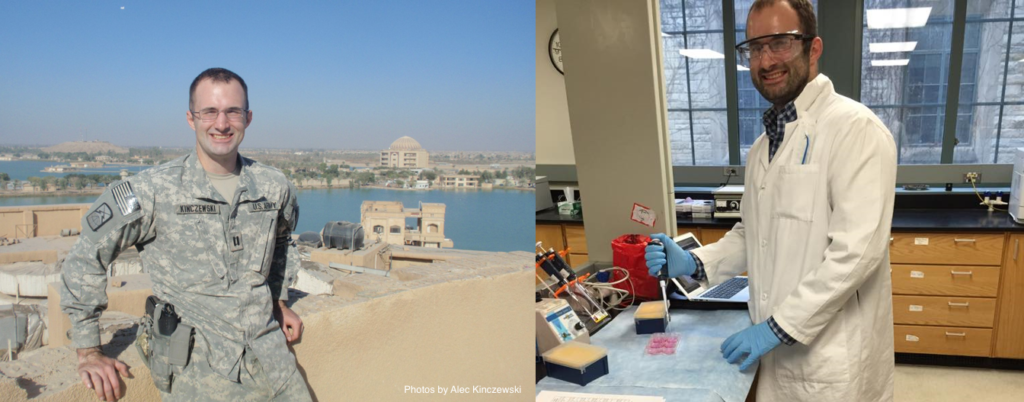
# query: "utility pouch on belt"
164,343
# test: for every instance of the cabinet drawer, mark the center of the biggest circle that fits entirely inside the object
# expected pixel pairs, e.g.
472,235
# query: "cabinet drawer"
938,310
577,260
945,280
946,248
943,340
575,239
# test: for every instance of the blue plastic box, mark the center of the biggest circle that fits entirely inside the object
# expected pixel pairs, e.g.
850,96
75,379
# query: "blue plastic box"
577,372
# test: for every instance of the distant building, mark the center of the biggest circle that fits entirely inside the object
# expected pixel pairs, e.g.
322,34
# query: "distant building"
385,220
460,180
405,153
87,165
421,184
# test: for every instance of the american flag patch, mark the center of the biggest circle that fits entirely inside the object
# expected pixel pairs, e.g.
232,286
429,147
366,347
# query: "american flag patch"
125,198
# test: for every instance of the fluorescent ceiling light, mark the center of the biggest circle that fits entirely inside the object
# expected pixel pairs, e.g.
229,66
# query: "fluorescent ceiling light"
892,47
888,63
898,17
741,68
701,54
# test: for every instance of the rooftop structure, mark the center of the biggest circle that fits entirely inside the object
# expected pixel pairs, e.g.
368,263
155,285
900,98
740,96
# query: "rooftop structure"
385,221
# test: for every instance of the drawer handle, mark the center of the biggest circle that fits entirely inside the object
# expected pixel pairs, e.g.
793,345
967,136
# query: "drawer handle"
964,240
971,273
961,334
964,304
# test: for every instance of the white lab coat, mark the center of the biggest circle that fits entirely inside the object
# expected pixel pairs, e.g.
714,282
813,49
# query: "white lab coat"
814,238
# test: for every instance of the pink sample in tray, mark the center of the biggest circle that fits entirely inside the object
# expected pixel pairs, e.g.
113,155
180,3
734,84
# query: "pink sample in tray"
662,344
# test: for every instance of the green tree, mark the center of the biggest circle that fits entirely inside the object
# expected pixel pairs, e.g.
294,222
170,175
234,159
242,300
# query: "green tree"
487,176
4,177
428,175
366,178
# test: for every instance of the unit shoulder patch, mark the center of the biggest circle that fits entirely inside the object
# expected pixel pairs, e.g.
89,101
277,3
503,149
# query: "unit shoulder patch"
261,206
198,209
99,216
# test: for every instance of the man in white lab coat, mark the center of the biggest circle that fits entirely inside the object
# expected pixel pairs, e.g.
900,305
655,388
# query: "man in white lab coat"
814,235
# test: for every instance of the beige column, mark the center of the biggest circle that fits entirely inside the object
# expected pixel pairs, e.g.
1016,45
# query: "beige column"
616,98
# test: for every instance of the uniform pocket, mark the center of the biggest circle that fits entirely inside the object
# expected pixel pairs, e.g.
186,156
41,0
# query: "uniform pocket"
793,196
823,361
268,248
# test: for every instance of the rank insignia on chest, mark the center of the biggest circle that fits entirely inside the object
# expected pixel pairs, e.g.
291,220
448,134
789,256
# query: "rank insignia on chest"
198,209
262,206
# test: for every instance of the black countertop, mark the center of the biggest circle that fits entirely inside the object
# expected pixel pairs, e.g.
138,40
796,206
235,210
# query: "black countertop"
932,220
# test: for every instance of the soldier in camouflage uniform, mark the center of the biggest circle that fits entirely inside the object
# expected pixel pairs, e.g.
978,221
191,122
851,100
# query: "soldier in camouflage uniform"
223,260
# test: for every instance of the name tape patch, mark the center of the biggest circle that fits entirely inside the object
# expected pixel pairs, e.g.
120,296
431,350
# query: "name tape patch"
262,206
198,209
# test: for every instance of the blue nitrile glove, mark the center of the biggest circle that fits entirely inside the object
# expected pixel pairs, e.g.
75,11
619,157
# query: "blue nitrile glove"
680,262
753,342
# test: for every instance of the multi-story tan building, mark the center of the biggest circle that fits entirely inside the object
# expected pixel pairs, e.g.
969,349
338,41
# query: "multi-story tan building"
405,153
385,220
460,180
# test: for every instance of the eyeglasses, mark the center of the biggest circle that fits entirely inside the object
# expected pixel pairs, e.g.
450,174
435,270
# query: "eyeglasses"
780,46
211,114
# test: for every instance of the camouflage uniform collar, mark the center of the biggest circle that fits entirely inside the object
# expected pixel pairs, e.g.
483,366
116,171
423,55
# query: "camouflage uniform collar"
200,185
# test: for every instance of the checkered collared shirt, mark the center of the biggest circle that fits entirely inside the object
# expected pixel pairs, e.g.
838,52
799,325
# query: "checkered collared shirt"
701,275
775,126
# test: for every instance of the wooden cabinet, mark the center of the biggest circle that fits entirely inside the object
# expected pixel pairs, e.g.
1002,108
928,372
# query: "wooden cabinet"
1009,336
945,280
946,248
945,292
576,239
711,235
943,340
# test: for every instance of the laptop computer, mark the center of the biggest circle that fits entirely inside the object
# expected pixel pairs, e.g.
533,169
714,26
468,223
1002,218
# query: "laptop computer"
734,290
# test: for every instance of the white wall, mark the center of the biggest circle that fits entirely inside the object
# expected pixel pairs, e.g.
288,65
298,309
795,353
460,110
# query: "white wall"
554,137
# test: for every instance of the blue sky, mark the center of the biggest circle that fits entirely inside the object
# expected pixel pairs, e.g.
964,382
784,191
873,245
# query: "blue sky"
453,74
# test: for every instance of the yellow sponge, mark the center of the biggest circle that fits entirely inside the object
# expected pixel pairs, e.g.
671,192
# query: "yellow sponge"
651,310
575,354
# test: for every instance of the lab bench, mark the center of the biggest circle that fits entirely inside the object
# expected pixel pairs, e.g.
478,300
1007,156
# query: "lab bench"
696,372
957,276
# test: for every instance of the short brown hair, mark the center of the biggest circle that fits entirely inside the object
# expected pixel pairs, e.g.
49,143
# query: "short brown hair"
804,11
216,74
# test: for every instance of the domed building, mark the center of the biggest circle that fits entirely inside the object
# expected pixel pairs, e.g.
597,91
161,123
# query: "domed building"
405,153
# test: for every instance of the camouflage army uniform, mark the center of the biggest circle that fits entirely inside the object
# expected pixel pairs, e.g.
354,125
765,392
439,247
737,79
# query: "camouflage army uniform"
221,266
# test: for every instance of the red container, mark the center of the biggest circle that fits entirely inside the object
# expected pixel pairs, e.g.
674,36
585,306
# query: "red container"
628,253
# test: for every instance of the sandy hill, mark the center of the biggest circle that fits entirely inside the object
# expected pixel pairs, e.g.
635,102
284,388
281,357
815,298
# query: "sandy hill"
92,147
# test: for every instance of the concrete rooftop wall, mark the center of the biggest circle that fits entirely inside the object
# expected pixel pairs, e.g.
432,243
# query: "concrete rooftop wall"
40,220
465,321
